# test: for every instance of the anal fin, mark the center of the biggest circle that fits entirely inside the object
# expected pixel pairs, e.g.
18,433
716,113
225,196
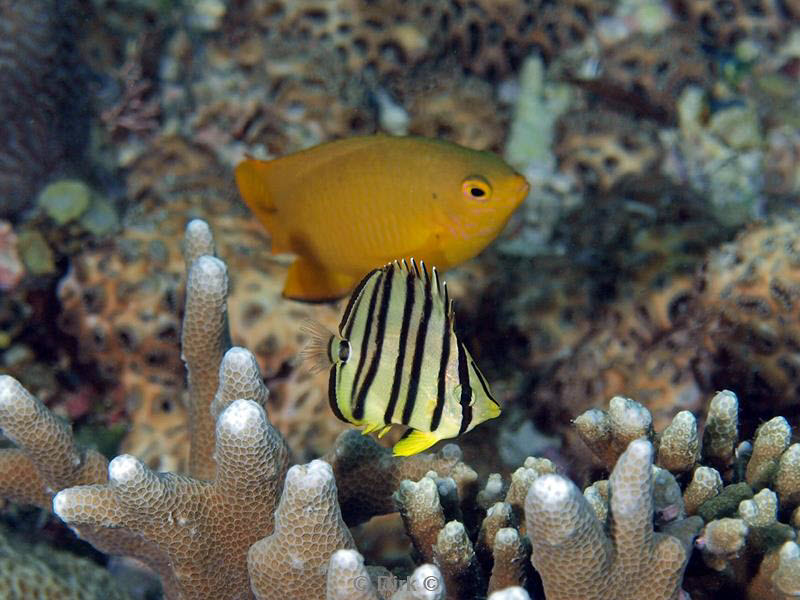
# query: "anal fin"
370,427
312,283
414,443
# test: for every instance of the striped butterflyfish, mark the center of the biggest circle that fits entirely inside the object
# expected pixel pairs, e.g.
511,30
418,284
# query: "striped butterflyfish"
398,360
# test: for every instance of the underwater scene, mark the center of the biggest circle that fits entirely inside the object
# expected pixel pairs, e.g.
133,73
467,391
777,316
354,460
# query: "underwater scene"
400,299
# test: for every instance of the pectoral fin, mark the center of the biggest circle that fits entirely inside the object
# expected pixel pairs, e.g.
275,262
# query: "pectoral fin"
431,252
312,283
414,443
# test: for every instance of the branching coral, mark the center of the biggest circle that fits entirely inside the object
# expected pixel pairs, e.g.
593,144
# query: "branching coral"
634,563
46,458
244,527
742,528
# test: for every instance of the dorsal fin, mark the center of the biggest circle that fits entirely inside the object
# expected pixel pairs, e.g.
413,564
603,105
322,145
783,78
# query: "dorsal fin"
432,283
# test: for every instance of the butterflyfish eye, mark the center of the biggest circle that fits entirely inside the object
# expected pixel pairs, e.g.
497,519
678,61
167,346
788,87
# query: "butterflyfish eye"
344,351
476,187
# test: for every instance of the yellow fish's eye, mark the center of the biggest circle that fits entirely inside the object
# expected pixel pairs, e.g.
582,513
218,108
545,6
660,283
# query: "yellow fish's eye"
476,187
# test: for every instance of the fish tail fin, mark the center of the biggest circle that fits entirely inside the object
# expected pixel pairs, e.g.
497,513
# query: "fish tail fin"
414,442
317,352
252,176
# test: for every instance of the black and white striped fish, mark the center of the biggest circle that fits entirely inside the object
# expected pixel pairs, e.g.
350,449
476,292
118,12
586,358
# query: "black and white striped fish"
397,360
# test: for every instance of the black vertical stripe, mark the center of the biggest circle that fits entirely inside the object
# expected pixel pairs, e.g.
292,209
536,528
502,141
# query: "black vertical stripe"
441,388
466,389
419,353
365,340
484,383
408,307
383,312
355,299
332,400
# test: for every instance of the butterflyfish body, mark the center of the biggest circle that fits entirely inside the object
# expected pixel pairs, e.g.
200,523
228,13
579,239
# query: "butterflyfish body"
348,206
398,360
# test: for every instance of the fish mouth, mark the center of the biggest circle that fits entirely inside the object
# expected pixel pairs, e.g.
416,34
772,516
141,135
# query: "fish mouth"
523,187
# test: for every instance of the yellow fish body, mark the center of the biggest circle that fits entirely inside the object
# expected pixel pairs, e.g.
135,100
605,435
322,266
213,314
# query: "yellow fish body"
348,206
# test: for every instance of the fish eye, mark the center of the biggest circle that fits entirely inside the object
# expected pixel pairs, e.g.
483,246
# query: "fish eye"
344,350
476,187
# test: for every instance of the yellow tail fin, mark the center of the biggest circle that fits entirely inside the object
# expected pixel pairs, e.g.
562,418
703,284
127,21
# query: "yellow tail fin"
252,176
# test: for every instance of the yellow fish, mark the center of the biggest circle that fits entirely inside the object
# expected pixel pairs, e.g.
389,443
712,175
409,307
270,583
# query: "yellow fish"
397,360
348,206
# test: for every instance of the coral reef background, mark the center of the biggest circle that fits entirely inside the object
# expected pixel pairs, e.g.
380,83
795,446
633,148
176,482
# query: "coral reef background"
656,258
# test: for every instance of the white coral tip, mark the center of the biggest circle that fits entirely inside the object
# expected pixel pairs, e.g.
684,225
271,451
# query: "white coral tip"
241,416
314,475
61,501
512,593
551,490
10,389
198,227
239,360
123,468
640,449
349,560
209,272
427,582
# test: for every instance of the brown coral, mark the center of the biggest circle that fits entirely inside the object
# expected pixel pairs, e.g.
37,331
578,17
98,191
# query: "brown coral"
750,288
646,74
179,514
634,563
729,22
602,148
487,37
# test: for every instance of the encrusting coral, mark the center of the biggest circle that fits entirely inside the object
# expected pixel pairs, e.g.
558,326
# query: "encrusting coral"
244,526
37,571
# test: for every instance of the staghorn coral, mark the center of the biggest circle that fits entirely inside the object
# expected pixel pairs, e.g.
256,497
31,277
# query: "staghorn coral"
308,511
46,458
742,529
117,508
634,563
369,475
196,533
122,303
178,525
192,521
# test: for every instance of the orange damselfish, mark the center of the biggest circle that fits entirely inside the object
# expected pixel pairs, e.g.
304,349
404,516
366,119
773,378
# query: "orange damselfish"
352,205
